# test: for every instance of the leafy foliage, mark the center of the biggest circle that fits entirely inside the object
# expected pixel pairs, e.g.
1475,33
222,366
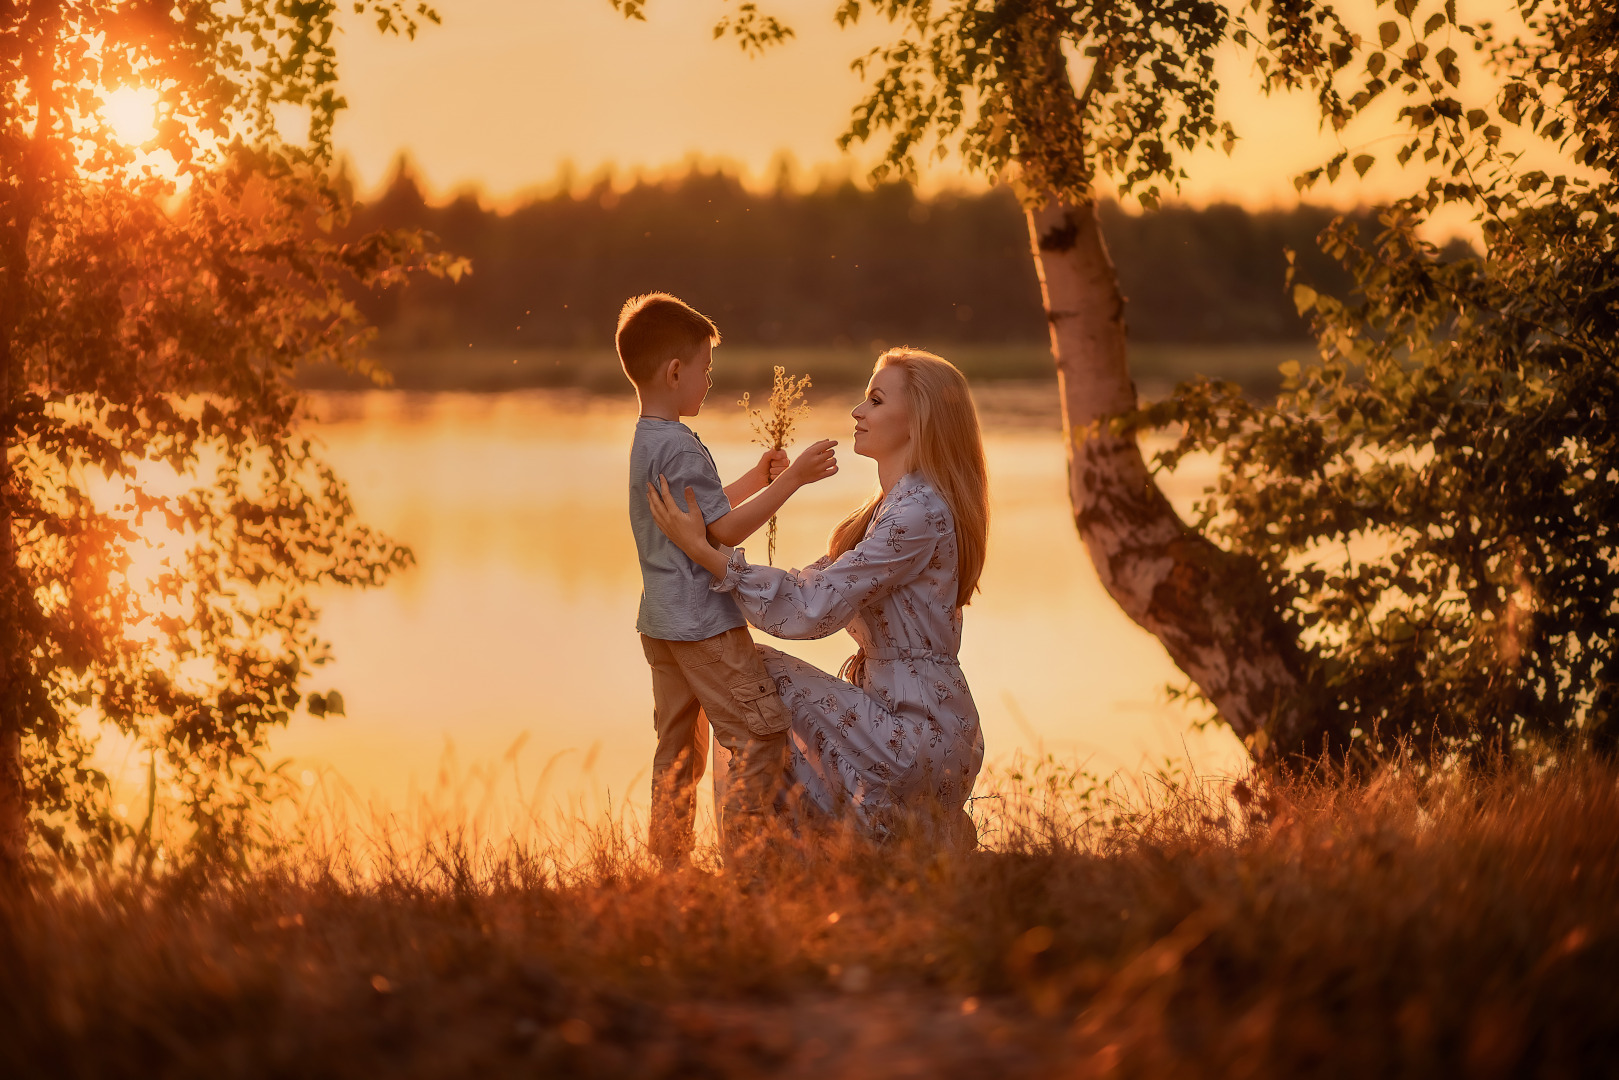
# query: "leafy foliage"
1436,500
164,517
1054,93
752,29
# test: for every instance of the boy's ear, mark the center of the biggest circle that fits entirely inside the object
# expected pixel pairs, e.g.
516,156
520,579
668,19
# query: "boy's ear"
671,372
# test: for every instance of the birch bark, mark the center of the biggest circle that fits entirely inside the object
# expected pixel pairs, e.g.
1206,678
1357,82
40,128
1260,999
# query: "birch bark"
1210,609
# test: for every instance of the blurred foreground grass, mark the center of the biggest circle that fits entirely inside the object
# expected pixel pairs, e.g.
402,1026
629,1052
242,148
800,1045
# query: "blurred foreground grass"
1464,925
1156,367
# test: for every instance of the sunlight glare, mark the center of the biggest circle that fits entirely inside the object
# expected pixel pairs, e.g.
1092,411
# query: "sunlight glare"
131,112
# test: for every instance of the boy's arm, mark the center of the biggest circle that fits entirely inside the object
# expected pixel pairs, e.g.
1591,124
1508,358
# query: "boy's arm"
772,463
816,463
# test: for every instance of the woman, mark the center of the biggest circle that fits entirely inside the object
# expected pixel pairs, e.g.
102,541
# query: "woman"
904,732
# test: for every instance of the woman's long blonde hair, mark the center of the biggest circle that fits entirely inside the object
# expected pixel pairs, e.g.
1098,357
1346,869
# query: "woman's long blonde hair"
947,448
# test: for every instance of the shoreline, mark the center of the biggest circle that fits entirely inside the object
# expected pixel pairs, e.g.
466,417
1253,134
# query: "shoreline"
738,368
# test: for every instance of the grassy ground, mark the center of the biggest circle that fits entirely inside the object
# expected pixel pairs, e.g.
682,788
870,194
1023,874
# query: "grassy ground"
743,368
1466,926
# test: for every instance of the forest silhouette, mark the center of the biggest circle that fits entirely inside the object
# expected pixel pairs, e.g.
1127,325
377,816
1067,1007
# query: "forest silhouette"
833,265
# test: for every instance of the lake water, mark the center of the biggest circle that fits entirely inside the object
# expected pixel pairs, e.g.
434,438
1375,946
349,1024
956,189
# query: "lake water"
506,661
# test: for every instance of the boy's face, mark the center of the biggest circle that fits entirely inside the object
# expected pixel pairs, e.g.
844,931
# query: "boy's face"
693,378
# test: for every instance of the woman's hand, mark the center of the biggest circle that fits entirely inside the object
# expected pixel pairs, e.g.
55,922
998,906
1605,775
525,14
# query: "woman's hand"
817,462
684,526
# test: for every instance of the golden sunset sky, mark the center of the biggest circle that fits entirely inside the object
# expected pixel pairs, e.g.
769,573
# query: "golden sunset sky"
505,91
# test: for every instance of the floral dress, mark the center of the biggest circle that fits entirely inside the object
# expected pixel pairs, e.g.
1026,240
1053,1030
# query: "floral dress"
907,731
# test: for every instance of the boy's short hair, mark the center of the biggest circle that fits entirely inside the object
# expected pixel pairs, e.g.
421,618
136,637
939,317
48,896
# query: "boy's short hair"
656,327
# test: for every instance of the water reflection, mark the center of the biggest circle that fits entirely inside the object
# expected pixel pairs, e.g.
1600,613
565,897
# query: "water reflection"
519,618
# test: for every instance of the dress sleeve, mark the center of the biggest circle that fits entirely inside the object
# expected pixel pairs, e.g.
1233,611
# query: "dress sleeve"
823,598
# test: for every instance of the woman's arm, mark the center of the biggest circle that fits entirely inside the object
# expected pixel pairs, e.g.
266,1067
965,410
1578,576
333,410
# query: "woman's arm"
684,526
815,602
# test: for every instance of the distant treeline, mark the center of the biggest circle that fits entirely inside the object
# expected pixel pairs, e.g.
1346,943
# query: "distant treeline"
838,265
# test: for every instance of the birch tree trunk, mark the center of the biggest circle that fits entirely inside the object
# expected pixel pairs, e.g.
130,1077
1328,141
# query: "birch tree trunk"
1210,609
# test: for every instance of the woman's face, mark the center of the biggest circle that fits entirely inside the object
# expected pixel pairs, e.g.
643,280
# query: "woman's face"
882,421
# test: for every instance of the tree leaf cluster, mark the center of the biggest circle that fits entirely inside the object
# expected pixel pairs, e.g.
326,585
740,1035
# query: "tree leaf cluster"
994,82
1053,94
163,516
1436,499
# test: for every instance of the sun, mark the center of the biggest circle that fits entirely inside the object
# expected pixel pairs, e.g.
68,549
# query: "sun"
131,112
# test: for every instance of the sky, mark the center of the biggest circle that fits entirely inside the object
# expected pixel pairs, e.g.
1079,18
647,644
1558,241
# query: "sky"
505,91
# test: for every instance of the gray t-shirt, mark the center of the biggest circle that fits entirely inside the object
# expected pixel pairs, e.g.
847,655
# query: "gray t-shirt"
676,601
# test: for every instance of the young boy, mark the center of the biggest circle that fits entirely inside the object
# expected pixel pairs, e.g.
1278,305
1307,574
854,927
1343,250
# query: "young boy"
705,669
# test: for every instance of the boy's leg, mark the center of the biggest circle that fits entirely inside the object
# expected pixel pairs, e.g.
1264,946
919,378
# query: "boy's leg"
750,720
679,760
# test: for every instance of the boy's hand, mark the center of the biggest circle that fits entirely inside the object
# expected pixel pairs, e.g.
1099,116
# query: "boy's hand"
817,462
772,463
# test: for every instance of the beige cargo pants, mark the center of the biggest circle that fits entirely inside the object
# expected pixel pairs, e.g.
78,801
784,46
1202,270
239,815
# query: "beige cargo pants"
719,682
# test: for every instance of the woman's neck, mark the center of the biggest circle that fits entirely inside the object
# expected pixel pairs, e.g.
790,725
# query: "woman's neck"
890,471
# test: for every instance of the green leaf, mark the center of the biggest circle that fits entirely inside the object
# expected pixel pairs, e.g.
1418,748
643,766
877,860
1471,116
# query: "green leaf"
1304,299
327,704
1363,162
1511,107
1435,21
1388,33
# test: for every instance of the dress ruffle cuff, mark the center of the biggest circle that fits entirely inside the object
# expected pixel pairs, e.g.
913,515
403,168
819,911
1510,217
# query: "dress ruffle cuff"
737,563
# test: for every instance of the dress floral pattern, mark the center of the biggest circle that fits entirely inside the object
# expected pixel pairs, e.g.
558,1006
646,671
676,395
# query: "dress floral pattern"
907,732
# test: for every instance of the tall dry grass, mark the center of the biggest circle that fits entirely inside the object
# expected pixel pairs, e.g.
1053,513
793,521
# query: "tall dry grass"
1415,925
